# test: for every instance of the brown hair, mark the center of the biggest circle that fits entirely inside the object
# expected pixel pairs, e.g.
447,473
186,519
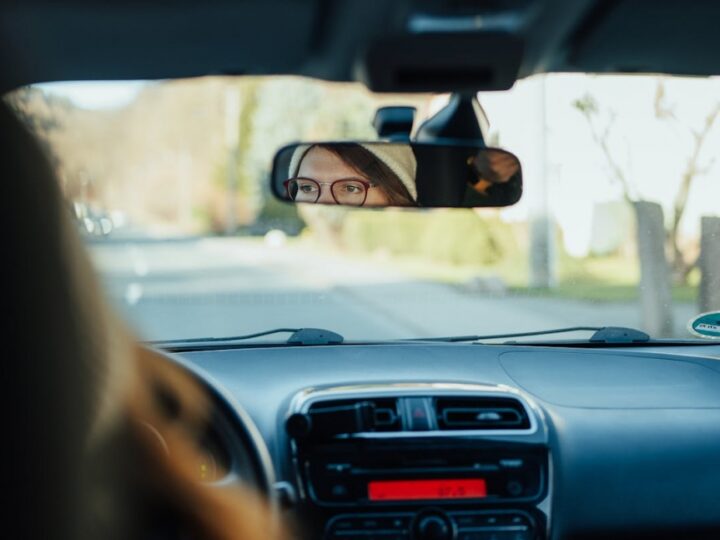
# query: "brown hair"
365,163
87,391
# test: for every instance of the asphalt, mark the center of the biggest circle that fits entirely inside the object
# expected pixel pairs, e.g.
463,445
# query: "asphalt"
214,287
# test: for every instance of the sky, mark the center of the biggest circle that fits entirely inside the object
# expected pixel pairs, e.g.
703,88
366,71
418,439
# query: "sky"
557,150
96,95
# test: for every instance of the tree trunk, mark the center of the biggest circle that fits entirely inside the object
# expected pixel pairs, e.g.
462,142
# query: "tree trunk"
655,279
709,297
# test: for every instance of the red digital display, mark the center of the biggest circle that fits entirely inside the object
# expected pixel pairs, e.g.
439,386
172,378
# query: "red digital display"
409,490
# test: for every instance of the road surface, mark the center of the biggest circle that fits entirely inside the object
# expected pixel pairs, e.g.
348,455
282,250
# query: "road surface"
216,287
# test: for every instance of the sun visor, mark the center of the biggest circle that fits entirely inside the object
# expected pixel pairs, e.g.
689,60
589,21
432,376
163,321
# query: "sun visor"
634,36
442,62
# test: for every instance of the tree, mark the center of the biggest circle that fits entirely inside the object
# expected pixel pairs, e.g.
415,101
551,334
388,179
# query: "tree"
40,114
590,109
681,267
588,106
655,239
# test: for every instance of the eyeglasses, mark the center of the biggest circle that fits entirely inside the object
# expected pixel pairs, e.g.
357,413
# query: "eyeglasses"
346,191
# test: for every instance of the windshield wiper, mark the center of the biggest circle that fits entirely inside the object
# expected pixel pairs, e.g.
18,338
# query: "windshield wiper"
602,334
300,336
222,339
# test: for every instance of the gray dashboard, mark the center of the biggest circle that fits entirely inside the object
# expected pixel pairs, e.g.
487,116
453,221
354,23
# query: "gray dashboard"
634,432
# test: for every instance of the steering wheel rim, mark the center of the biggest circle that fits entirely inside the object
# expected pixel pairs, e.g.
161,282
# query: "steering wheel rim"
241,425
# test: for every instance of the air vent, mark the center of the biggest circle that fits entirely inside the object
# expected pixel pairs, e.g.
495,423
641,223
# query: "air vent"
325,420
355,415
483,413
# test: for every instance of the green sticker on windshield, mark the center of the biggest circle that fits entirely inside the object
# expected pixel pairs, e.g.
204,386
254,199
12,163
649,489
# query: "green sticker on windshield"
706,325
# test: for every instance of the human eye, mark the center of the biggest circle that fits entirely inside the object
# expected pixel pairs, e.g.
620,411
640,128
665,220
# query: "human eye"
307,187
353,188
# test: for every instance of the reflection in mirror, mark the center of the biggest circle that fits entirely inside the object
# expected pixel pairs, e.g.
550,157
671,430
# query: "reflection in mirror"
381,174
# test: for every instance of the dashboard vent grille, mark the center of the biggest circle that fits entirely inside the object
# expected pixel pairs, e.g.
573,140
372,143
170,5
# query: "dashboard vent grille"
356,415
465,413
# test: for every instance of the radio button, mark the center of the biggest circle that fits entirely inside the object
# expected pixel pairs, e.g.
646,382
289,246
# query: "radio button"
344,524
397,522
385,527
358,535
339,492
337,468
471,521
471,536
468,521
514,519
495,535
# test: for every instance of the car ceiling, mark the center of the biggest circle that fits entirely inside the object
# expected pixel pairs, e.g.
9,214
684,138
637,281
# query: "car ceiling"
42,40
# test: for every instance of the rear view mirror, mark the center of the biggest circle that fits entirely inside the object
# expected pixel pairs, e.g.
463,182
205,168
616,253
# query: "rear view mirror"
383,174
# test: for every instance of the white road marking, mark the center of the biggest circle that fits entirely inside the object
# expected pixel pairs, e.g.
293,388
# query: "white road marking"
140,266
133,293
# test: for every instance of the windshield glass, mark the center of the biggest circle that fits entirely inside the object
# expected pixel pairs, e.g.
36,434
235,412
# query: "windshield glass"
168,182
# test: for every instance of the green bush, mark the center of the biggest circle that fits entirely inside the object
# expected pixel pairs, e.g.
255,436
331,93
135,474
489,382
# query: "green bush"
459,237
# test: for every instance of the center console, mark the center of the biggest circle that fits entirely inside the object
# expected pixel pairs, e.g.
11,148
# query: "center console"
416,461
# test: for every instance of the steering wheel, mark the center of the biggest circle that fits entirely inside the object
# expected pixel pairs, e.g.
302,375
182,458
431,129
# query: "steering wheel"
232,449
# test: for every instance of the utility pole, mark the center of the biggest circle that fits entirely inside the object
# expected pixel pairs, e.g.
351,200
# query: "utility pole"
542,241
232,137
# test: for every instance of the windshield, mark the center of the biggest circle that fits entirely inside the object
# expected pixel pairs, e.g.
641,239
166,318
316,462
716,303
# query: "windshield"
168,182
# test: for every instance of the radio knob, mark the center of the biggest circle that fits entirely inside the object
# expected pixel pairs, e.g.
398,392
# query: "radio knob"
433,528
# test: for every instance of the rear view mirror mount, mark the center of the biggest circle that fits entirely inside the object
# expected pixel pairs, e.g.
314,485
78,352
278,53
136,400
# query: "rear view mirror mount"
442,61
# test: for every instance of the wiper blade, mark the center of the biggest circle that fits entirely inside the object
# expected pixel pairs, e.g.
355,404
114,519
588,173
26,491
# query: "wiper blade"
619,334
602,334
315,336
300,336
228,338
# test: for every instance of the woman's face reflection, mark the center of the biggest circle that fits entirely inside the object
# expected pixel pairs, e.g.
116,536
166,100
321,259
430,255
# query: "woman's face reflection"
326,168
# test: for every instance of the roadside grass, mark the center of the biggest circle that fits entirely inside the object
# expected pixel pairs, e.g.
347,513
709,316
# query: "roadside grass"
596,279
602,292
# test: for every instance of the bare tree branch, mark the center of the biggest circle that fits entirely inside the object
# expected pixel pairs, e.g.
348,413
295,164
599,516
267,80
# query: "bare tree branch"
663,111
692,171
588,107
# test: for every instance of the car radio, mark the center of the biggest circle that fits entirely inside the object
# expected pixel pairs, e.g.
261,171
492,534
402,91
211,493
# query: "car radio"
417,461
388,473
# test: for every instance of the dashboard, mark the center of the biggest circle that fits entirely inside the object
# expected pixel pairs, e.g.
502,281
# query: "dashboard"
421,441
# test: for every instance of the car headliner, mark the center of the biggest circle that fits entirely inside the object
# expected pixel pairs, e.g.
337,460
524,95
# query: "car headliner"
42,40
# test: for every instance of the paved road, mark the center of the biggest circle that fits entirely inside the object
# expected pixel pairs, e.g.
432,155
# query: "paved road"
221,287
